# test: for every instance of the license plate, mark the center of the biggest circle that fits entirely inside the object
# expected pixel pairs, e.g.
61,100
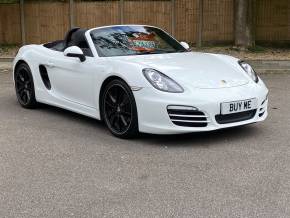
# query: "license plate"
238,106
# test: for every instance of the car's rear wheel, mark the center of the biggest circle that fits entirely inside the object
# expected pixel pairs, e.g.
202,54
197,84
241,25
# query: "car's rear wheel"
119,109
24,86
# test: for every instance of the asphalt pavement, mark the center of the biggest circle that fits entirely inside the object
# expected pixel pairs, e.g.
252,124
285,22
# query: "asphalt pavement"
55,163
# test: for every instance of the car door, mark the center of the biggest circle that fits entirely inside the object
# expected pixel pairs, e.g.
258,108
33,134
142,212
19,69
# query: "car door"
71,79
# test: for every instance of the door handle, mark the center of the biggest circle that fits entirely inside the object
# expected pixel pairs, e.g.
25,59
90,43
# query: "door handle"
50,64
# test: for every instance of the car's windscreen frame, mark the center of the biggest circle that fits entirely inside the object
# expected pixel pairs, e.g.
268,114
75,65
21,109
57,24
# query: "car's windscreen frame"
173,42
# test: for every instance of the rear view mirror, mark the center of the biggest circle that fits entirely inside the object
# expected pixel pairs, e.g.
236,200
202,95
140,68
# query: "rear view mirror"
76,52
185,45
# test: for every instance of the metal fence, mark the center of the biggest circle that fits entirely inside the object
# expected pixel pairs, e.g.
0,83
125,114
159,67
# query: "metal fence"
195,21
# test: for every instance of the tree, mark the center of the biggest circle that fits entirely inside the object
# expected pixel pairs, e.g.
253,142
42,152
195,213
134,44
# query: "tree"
244,23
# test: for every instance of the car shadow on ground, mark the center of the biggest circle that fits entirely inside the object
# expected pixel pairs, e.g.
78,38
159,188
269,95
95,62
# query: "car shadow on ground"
190,139
66,114
202,138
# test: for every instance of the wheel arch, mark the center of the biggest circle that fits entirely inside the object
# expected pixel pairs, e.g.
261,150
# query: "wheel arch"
20,61
32,103
106,82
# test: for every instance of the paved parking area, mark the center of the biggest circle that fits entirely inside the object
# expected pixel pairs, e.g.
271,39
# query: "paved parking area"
55,163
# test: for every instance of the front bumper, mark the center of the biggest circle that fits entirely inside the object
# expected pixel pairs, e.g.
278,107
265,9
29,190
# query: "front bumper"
153,116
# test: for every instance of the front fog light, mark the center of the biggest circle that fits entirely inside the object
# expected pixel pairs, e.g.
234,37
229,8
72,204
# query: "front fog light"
181,107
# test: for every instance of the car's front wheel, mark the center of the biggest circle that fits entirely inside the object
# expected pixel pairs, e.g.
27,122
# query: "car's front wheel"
24,86
119,109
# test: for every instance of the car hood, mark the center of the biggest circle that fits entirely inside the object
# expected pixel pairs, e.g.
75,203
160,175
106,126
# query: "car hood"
200,70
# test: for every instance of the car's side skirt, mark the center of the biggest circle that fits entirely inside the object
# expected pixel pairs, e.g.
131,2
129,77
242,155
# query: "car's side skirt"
69,105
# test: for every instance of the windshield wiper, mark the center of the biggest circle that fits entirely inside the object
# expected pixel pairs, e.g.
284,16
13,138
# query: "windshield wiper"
148,52
156,51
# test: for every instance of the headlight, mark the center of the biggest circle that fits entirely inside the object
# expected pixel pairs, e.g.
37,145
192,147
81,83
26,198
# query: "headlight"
161,82
249,70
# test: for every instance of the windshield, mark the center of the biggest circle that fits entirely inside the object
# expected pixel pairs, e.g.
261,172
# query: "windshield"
133,40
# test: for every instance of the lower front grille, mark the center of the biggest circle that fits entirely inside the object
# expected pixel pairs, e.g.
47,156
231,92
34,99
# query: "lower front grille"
235,117
187,118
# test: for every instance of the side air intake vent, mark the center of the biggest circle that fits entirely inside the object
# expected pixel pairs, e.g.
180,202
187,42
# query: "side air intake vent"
187,116
44,77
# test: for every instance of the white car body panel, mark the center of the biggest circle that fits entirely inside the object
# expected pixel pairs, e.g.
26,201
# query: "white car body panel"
76,85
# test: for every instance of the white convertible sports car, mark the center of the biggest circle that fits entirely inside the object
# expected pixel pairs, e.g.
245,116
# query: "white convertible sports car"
140,79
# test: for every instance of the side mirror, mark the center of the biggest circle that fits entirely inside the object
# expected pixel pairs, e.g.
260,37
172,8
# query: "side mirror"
76,52
185,45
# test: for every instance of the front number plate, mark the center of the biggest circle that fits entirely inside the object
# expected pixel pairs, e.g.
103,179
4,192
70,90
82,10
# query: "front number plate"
238,106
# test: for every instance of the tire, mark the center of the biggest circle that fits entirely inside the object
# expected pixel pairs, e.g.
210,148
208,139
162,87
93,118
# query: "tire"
118,109
24,86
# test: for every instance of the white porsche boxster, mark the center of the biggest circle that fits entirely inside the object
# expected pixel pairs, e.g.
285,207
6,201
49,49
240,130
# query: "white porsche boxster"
139,79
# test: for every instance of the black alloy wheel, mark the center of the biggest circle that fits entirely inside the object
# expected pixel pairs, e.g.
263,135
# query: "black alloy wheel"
24,86
119,109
